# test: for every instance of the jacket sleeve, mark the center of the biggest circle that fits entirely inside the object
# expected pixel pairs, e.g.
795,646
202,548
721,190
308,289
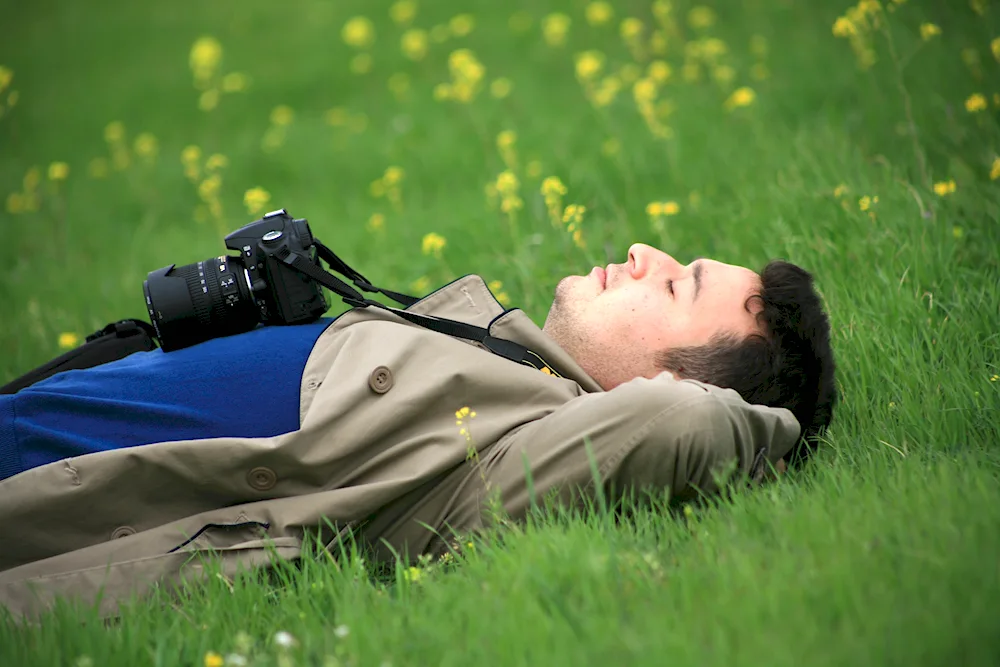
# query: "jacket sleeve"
659,434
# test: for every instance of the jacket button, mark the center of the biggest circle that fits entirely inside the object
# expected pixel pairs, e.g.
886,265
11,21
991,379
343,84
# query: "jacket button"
380,380
261,478
122,531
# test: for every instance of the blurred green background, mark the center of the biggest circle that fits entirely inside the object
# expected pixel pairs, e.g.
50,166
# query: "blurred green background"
868,152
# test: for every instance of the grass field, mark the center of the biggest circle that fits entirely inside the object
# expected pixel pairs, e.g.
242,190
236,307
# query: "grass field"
739,130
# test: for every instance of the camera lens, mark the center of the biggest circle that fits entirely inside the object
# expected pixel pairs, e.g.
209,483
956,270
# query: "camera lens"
193,303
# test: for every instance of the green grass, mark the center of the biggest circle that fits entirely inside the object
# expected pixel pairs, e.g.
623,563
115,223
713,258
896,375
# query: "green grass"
883,551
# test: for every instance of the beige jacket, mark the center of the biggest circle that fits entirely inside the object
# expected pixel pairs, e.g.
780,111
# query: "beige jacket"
379,451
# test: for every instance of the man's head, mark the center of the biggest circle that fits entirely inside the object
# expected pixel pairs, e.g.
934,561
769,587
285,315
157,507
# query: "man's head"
764,335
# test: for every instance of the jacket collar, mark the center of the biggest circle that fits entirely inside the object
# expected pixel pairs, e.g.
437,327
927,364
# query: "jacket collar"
468,299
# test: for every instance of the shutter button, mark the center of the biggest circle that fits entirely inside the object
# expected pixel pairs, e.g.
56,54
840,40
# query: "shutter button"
261,478
380,380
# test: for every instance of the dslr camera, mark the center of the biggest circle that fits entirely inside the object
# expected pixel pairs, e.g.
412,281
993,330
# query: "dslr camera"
226,295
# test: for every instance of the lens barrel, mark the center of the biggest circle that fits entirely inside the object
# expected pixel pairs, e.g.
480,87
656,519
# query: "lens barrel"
192,303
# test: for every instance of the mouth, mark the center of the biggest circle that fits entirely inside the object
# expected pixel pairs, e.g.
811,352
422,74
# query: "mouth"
601,275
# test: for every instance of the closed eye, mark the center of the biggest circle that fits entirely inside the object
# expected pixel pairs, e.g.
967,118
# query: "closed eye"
670,286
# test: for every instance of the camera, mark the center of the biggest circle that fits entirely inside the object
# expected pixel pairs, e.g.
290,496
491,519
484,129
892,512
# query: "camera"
226,295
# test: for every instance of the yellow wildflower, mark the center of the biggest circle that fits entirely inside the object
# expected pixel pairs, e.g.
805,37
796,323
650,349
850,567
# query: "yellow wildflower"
994,48
282,115
403,11
358,32
209,188
712,48
500,87
209,99
376,222
598,13
393,175
554,29
552,186
337,116
433,244
589,64
6,76
461,24
414,44
31,179
58,171
412,574
844,27
957,232
975,103
68,340
204,58
866,202
928,31
943,188
496,287
574,213
213,659
255,199
611,147
741,97
671,208
235,82
442,92
654,209
995,169
630,28
216,161
840,190
701,17
723,74
114,132
644,91
659,71
421,285
361,63
145,146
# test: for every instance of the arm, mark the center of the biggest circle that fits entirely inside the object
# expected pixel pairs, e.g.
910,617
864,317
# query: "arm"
645,435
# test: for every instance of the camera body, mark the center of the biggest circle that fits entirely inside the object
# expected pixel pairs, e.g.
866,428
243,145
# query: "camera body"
226,295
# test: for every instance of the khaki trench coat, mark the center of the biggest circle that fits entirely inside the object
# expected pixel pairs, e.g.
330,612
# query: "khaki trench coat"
379,449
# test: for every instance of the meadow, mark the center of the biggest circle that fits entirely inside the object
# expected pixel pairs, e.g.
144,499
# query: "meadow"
526,141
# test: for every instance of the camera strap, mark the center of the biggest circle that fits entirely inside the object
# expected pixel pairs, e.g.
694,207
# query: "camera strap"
505,348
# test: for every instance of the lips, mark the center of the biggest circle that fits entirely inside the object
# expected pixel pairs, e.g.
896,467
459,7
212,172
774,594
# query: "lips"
602,276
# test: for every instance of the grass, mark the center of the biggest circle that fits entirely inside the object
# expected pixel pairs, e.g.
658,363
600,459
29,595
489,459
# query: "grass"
883,551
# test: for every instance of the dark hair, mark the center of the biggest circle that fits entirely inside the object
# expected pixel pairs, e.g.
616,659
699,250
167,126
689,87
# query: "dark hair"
789,366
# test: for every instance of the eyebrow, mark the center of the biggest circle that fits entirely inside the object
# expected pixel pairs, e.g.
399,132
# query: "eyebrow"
698,269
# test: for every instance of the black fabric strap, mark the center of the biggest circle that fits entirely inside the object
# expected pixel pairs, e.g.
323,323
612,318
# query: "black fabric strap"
499,346
340,266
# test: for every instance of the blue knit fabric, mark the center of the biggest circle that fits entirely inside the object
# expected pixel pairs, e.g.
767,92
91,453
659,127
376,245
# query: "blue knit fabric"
245,385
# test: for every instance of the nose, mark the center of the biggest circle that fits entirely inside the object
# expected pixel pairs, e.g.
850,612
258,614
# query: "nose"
644,259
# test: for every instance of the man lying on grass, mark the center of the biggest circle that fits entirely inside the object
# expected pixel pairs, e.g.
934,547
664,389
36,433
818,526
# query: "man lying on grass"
659,376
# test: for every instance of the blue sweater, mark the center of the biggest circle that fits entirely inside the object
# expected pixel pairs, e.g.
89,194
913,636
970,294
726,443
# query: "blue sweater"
245,385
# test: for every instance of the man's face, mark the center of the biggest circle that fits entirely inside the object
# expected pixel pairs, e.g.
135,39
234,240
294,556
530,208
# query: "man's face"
615,320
